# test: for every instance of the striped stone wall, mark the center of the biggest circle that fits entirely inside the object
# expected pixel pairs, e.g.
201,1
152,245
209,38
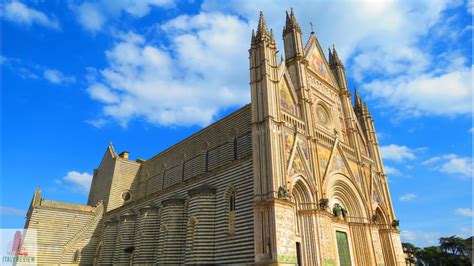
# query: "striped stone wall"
63,228
216,145
179,208
146,235
124,242
109,235
125,172
200,228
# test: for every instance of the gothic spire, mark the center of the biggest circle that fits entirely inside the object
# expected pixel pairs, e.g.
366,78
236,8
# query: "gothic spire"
336,61
262,26
291,22
253,41
357,99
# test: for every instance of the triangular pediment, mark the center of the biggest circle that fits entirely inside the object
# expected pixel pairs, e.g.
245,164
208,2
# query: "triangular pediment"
317,62
298,163
338,163
288,98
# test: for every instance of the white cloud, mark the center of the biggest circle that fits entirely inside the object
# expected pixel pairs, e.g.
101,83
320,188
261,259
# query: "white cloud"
101,93
389,170
9,211
80,181
407,197
448,93
56,77
206,72
467,212
458,165
451,164
93,16
397,153
420,237
21,14
470,6
90,16
98,123
28,70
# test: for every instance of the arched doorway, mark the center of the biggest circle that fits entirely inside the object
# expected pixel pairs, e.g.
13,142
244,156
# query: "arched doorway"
384,233
305,243
351,231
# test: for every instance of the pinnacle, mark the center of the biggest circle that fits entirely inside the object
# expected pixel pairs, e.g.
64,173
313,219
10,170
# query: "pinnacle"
262,26
336,61
262,31
291,22
357,99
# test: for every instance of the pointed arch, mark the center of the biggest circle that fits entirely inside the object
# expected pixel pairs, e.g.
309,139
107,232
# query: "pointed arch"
303,196
380,216
301,188
341,189
97,254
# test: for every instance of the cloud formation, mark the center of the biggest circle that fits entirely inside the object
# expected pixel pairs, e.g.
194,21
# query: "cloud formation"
94,16
384,51
407,197
21,14
451,164
466,212
389,170
426,238
193,56
57,77
77,181
36,71
188,86
397,153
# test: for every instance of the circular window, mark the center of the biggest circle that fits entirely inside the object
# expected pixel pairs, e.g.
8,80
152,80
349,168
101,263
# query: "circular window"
322,115
126,195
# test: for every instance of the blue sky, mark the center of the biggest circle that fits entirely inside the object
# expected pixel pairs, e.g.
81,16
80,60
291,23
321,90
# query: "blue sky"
144,75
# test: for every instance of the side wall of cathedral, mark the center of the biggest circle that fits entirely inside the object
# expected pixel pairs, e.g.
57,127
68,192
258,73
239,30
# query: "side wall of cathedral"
192,203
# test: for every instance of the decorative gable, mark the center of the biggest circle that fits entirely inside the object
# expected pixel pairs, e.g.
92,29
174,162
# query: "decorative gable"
338,164
288,98
317,62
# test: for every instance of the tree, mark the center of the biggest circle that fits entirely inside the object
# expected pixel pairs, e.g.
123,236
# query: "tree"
410,250
453,245
451,251
429,255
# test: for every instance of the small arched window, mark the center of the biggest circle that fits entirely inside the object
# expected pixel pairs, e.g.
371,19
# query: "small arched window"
232,201
231,210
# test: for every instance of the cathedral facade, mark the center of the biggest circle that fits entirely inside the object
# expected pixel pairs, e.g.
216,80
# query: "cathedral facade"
293,178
